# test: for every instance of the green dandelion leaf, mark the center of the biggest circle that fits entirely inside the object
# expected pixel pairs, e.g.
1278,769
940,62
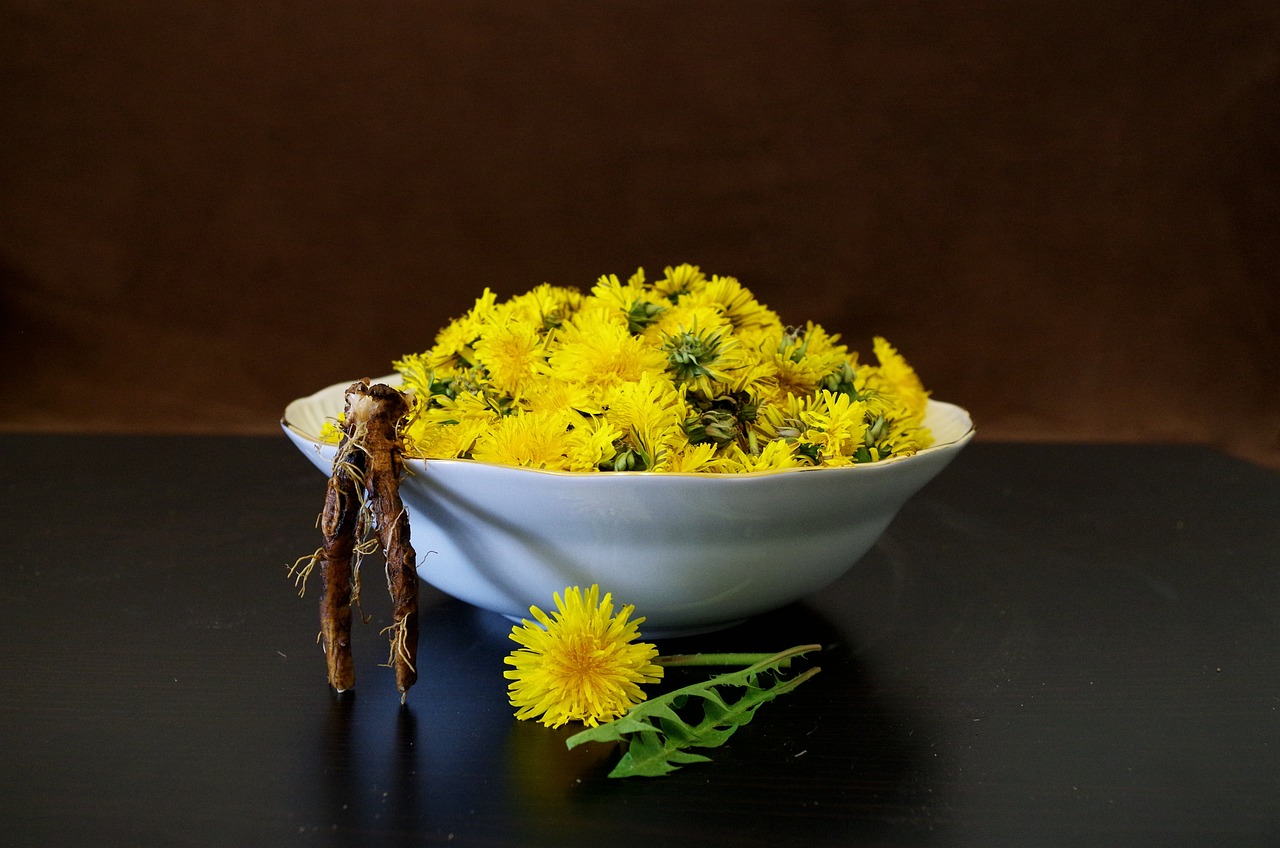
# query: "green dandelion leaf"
656,736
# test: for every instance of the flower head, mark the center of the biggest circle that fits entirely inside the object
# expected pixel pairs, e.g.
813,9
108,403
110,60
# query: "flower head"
680,280
534,440
738,305
595,349
453,342
895,371
648,415
513,354
582,664
702,357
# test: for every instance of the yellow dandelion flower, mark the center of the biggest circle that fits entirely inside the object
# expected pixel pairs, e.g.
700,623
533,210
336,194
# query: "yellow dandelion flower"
649,414
801,361
464,407
513,354
705,358
736,303
448,427
550,393
836,425
774,456
762,340
895,430
904,437
595,349
443,441
331,430
639,303
544,307
581,664
530,439
790,378
880,395
688,459
681,316
680,280
756,372
590,445
895,370
417,374
453,343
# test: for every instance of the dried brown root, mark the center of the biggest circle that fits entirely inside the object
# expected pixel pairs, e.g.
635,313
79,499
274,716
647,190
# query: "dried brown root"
364,513
339,522
363,495
381,408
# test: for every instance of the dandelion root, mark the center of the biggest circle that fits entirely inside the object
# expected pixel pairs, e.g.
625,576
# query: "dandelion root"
339,523
364,493
382,408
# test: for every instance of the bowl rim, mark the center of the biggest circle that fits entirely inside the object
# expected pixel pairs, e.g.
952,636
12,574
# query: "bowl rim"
419,462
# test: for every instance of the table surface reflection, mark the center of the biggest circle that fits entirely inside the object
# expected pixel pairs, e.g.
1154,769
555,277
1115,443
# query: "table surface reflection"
1051,645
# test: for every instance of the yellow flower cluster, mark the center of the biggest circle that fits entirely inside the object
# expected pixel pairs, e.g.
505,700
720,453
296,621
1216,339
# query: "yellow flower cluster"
687,373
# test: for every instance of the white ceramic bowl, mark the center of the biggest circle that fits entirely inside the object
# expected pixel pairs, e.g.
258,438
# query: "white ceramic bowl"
692,552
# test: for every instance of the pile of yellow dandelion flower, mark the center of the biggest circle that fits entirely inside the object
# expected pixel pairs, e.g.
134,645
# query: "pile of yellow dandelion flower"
582,664
687,373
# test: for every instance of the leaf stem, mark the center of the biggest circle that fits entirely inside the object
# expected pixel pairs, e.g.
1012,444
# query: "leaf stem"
711,659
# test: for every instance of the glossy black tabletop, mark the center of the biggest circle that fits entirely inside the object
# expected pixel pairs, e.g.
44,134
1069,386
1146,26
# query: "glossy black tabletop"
1071,645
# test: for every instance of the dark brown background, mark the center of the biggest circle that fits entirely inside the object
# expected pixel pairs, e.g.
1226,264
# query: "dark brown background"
1064,214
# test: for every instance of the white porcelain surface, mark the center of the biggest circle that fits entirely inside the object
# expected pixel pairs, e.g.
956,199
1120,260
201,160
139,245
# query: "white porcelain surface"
692,552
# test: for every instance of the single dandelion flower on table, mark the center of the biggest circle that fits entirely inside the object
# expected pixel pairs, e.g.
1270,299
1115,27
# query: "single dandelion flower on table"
582,664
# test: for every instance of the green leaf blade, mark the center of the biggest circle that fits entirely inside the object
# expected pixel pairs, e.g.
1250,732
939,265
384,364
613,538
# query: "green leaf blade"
656,736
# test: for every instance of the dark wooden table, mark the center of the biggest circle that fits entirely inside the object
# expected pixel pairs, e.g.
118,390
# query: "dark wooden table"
1052,645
